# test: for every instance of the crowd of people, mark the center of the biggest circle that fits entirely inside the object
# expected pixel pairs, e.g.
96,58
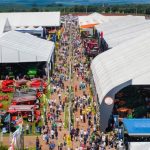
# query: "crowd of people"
83,131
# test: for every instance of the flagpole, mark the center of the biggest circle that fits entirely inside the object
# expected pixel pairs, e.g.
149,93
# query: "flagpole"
9,128
22,136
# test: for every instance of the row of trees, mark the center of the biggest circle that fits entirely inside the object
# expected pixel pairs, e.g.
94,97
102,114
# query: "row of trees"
126,9
123,9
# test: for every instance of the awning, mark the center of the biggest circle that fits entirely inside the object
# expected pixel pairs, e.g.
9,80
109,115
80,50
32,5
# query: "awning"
88,26
137,127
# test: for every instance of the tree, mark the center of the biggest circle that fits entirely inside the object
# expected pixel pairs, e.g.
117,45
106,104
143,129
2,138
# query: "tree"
34,9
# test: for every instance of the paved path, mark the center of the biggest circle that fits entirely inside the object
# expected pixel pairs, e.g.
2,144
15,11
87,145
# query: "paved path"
78,92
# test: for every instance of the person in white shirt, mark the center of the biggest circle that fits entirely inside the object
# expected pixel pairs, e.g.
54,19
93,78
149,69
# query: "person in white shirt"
120,145
59,96
103,137
77,121
52,134
81,132
81,118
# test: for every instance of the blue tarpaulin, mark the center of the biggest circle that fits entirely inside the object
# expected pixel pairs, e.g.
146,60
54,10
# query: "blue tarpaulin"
137,126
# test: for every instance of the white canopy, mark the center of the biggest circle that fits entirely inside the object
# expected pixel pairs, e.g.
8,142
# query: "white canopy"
128,33
22,47
18,19
119,24
96,18
123,65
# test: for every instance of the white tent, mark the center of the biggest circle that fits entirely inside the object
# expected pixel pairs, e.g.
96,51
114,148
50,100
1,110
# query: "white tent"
18,19
18,47
99,19
123,65
121,35
119,24
94,18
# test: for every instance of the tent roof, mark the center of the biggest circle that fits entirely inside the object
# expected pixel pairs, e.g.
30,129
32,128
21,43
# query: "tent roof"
94,18
22,47
99,19
32,18
119,24
121,35
126,64
138,127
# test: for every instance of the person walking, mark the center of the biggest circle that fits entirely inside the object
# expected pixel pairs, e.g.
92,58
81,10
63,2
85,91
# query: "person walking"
56,134
37,143
51,145
52,133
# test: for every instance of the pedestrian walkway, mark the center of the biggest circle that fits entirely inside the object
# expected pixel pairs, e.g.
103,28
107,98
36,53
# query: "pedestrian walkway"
71,112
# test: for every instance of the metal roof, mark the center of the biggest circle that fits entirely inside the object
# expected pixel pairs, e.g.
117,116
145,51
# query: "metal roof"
18,19
22,47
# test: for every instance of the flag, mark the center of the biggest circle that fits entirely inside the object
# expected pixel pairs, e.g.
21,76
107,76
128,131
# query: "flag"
19,121
54,38
16,136
44,100
58,34
7,118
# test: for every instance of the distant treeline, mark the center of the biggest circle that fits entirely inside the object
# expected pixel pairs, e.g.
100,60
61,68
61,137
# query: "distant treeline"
118,9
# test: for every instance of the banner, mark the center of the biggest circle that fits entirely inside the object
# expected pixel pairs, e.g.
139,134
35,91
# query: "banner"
19,122
120,133
7,118
116,121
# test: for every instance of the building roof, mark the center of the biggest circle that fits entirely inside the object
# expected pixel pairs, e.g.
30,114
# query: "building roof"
130,32
18,19
137,127
119,24
126,64
22,47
